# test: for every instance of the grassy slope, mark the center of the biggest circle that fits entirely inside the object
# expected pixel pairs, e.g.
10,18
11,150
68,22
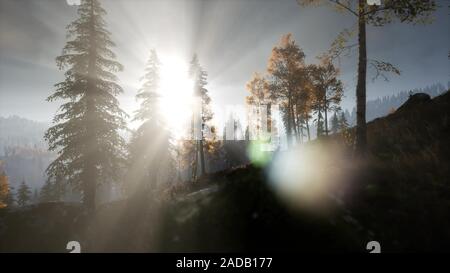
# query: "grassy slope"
402,200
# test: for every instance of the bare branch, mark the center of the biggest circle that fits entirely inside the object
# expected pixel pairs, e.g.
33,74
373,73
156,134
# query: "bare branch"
337,2
381,68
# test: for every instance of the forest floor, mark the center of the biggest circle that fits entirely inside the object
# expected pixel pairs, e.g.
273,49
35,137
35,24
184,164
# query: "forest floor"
400,197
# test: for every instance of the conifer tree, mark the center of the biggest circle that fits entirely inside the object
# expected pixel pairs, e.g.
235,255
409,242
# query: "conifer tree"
86,130
149,151
23,194
199,77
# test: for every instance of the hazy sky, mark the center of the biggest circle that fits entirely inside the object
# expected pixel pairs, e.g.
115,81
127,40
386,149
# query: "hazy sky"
233,39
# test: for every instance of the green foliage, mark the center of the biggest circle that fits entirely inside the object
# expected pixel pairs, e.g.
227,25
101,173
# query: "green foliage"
85,132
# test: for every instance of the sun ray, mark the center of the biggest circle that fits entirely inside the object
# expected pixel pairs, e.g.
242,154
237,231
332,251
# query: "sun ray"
176,91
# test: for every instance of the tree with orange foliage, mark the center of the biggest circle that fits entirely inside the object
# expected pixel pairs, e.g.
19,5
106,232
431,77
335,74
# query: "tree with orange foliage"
286,71
4,189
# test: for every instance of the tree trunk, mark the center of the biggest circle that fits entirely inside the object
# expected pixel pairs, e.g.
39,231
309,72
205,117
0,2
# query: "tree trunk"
90,172
294,123
300,124
202,157
195,163
326,118
307,129
361,134
319,125
289,124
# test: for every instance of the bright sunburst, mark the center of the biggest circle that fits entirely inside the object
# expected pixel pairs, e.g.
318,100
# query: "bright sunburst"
176,89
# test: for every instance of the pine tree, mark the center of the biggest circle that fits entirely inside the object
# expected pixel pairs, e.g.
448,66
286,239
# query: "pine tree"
150,148
199,77
23,194
85,132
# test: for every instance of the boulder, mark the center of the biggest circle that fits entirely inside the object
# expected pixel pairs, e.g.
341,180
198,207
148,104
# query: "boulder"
415,99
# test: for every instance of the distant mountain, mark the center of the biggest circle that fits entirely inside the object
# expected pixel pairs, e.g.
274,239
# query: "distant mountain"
16,131
383,106
24,151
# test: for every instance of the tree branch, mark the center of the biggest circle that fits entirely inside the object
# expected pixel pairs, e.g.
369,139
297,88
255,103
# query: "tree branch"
381,68
337,2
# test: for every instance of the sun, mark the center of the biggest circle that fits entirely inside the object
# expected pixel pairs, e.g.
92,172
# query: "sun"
176,90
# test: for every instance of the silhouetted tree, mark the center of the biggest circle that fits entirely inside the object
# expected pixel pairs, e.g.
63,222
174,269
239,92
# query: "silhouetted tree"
199,77
86,130
404,10
23,194
149,156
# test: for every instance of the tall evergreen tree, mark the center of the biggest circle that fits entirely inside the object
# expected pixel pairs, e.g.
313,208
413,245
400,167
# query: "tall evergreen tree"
199,76
23,194
86,130
150,149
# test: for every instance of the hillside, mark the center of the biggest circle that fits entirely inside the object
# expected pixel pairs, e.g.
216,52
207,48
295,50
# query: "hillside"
400,197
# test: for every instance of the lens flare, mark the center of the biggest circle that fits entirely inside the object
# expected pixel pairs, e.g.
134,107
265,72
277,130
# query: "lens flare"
310,175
